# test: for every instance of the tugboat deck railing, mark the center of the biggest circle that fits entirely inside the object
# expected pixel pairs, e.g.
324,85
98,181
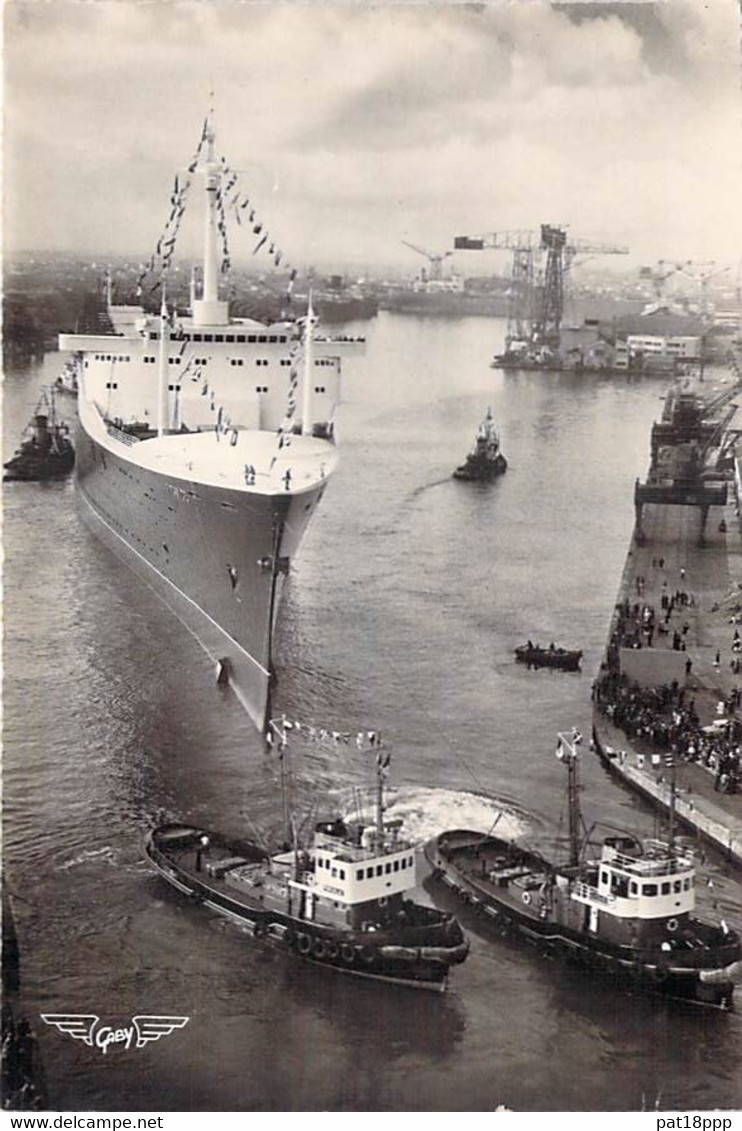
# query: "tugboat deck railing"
647,866
587,891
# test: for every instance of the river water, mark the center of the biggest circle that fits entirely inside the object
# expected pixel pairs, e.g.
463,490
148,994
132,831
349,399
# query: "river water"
401,614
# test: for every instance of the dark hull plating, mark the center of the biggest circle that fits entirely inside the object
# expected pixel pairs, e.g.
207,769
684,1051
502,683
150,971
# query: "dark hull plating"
481,470
400,955
644,969
207,551
543,658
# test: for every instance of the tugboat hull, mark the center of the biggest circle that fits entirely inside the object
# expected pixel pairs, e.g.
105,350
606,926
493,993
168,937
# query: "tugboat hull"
29,468
418,954
481,471
460,860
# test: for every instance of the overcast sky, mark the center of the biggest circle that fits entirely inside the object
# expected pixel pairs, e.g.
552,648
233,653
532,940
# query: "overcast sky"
357,126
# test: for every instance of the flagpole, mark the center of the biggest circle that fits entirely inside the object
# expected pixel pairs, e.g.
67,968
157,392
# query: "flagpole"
379,801
307,423
671,830
567,752
162,413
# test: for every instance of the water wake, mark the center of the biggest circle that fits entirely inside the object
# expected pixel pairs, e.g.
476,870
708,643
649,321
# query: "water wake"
426,812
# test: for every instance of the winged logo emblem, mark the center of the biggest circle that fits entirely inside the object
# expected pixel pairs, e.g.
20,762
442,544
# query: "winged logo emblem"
77,1025
151,1028
145,1027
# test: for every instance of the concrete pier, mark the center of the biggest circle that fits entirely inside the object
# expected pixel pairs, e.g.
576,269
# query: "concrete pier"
709,570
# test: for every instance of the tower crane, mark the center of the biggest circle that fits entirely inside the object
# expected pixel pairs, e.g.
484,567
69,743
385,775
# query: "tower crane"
537,306
659,275
702,275
435,259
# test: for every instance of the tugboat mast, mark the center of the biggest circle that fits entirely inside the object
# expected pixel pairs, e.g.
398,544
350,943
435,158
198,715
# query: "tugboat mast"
567,753
671,816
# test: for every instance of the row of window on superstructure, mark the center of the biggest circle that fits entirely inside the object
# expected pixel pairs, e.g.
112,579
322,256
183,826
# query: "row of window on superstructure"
667,887
385,869
230,339
175,360
371,871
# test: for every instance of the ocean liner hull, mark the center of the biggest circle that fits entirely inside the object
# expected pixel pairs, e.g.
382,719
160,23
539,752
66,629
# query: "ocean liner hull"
215,555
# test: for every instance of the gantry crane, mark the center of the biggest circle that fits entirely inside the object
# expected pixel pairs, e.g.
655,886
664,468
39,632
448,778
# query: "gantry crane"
702,274
435,259
537,305
659,275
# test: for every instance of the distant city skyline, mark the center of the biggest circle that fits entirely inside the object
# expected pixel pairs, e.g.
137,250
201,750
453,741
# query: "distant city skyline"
357,127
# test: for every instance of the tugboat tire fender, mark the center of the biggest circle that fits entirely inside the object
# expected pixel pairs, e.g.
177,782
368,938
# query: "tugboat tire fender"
331,949
526,897
319,948
348,954
365,954
672,925
303,943
382,901
408,953
448,954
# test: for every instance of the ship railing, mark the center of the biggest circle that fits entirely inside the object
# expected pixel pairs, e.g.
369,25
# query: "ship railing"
587,891
119,434
649,866
350,852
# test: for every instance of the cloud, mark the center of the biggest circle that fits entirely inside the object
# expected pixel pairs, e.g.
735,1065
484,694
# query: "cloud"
357,125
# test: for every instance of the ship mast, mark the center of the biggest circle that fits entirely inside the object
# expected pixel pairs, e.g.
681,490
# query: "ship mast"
382,763
307,423
279,727
211,170
567,752
209,310
671,829
162,373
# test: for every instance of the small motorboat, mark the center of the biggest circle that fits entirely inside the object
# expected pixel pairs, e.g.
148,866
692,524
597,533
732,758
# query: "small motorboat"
47,451
534,656
485,461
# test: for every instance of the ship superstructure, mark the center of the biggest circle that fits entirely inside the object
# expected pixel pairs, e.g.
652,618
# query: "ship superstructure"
205,444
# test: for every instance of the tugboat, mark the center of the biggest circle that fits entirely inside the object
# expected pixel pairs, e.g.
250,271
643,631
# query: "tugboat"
485,461
339,902
67,382
534,656
47,453
627,916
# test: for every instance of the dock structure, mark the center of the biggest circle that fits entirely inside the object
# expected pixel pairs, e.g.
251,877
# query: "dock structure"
675,644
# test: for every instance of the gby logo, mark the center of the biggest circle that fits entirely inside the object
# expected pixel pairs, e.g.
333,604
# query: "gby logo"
143,1029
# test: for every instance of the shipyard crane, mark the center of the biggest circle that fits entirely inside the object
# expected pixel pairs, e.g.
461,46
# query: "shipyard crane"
537,307
435,259
659,275
702,275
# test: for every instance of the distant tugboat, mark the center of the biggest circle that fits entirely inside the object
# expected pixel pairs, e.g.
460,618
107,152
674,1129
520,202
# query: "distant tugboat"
626,916
339,902
67,382
534,656
47,453
485,461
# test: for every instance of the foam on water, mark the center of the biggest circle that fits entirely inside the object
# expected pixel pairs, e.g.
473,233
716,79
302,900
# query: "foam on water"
426,812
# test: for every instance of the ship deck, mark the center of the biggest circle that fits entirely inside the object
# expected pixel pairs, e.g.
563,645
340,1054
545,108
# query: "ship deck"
201,457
